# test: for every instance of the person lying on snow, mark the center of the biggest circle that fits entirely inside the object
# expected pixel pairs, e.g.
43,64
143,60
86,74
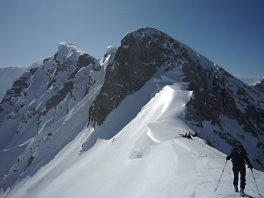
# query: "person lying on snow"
185,135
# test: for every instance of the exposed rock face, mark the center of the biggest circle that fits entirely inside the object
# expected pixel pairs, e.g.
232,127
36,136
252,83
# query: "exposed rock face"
19,85
18,88
83,61
225,95
140,55
7,77
216,93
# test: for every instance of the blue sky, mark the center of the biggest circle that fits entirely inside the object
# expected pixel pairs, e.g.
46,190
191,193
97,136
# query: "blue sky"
228,32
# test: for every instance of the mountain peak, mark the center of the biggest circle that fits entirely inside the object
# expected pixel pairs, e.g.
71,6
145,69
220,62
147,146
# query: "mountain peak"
69,46
148,31
69,51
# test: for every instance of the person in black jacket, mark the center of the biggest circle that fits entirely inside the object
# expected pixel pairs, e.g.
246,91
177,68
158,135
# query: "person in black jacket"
238,157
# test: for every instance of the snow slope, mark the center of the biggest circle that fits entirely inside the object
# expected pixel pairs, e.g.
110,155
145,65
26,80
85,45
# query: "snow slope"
146,157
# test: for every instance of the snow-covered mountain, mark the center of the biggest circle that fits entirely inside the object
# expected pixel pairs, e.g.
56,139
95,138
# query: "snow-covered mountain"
7,77
259,86
249,81
81,127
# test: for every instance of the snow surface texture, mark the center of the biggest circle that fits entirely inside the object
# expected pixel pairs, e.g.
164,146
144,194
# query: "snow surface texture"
147,158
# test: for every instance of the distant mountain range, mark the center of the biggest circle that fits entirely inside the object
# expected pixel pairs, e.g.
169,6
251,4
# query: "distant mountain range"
71,92
250,81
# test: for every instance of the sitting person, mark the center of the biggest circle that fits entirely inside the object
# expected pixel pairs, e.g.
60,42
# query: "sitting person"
195,134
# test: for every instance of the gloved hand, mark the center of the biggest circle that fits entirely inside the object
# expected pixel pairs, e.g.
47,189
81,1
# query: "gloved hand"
250,166
227,158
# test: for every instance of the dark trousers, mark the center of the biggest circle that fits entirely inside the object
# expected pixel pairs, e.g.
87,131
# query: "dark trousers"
239,168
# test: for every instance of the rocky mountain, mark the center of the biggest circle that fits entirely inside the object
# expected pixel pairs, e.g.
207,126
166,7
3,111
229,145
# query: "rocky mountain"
45,103
217,95
259,86
7,77
39,99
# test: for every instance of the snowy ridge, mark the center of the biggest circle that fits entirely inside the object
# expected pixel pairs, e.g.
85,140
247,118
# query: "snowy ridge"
218,97
167,167
81,127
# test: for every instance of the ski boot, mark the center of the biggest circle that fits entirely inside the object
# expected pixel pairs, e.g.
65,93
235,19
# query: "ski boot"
242,194
236,188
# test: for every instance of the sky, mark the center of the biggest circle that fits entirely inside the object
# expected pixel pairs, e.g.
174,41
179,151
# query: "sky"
230,33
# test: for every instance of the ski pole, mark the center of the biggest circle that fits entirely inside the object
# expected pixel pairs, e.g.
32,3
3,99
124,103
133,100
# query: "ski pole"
220,177
255,181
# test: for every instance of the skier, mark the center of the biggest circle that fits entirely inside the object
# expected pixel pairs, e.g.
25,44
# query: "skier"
238,156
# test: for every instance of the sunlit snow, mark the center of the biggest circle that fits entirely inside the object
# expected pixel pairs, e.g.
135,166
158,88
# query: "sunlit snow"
147,158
